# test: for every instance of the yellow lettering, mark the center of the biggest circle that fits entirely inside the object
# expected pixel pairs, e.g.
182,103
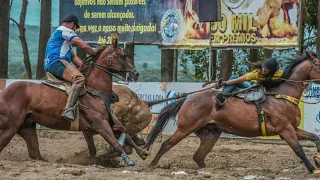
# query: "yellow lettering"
236,23
245,22
99,15
115,2
250,24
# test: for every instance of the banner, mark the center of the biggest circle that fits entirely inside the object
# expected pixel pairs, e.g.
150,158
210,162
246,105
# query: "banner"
175,23
260,23
312,111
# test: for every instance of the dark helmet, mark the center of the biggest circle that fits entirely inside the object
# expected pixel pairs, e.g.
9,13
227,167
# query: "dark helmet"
271,64
71,18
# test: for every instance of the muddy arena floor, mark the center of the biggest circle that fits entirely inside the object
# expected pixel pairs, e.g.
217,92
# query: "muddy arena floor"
67,158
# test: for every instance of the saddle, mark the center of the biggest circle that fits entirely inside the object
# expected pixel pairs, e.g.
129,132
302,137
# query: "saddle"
65,86
254,94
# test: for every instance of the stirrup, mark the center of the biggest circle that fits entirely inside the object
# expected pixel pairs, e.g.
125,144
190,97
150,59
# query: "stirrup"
220,101
69,114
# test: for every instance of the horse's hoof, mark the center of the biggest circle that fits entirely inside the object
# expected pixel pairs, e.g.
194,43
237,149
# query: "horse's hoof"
143,157
316,171
316,159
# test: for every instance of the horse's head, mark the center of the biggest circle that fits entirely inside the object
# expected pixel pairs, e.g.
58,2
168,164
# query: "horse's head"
314,68
114,60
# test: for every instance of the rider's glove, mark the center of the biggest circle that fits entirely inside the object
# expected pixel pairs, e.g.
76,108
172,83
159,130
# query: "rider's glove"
219,84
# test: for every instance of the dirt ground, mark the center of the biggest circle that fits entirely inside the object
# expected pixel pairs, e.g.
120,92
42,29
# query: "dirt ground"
67,158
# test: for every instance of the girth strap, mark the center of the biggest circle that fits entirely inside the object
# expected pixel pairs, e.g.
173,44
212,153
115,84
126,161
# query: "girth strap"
106,98
261,121
289,98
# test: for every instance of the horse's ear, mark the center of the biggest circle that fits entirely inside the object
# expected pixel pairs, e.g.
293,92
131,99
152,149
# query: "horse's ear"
115,40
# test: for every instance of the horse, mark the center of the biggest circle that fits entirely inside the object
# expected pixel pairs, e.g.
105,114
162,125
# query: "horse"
198,114
23,104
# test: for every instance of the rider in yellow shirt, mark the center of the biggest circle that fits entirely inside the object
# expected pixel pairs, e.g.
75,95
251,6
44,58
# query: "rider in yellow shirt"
269,71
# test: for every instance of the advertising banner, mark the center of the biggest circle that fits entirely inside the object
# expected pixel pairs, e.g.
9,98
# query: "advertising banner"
175,23
312,111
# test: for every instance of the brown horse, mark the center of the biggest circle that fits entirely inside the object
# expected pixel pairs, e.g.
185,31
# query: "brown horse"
198,114
23,104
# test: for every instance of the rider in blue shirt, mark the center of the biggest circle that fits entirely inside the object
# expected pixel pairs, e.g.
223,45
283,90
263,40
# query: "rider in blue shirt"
58,56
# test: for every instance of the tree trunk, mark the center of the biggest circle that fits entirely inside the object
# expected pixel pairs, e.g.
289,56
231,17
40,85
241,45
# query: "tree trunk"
175,65
4,37
214,64
227,60
167,56
22,37
267,53
318,29
130,51
45,31
254,55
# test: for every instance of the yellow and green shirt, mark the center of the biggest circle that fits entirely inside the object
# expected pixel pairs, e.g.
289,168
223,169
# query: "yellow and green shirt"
256,76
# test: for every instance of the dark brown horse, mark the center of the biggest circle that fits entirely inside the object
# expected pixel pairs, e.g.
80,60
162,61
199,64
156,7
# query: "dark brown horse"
23,104
198,114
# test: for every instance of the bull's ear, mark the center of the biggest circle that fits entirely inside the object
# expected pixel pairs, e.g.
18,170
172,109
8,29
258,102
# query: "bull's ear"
115,39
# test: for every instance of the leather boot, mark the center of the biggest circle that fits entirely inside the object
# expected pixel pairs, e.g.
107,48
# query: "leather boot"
69,111
220,100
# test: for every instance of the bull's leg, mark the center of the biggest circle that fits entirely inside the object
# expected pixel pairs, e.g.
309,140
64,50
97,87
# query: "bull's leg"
29,134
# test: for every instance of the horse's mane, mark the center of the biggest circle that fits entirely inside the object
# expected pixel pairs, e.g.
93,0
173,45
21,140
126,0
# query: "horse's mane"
290,64
89,60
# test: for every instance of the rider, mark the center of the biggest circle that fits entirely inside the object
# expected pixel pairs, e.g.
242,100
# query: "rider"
269,71
59,53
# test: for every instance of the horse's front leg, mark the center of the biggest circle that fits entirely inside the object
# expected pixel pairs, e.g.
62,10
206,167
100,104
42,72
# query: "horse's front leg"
103,128
92,148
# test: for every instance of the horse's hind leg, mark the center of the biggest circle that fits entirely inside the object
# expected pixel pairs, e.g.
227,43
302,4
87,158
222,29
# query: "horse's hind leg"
29,133
142,153
208,134
289,135
169,143
303,135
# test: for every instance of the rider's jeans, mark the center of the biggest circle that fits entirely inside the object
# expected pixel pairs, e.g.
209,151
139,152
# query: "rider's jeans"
229,89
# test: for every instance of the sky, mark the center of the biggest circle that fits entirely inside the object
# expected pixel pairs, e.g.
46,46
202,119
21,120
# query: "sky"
33,12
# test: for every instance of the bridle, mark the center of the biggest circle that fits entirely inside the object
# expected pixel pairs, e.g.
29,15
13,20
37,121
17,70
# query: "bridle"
115,72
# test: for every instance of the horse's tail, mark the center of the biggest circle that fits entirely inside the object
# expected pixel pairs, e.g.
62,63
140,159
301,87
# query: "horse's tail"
166,114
